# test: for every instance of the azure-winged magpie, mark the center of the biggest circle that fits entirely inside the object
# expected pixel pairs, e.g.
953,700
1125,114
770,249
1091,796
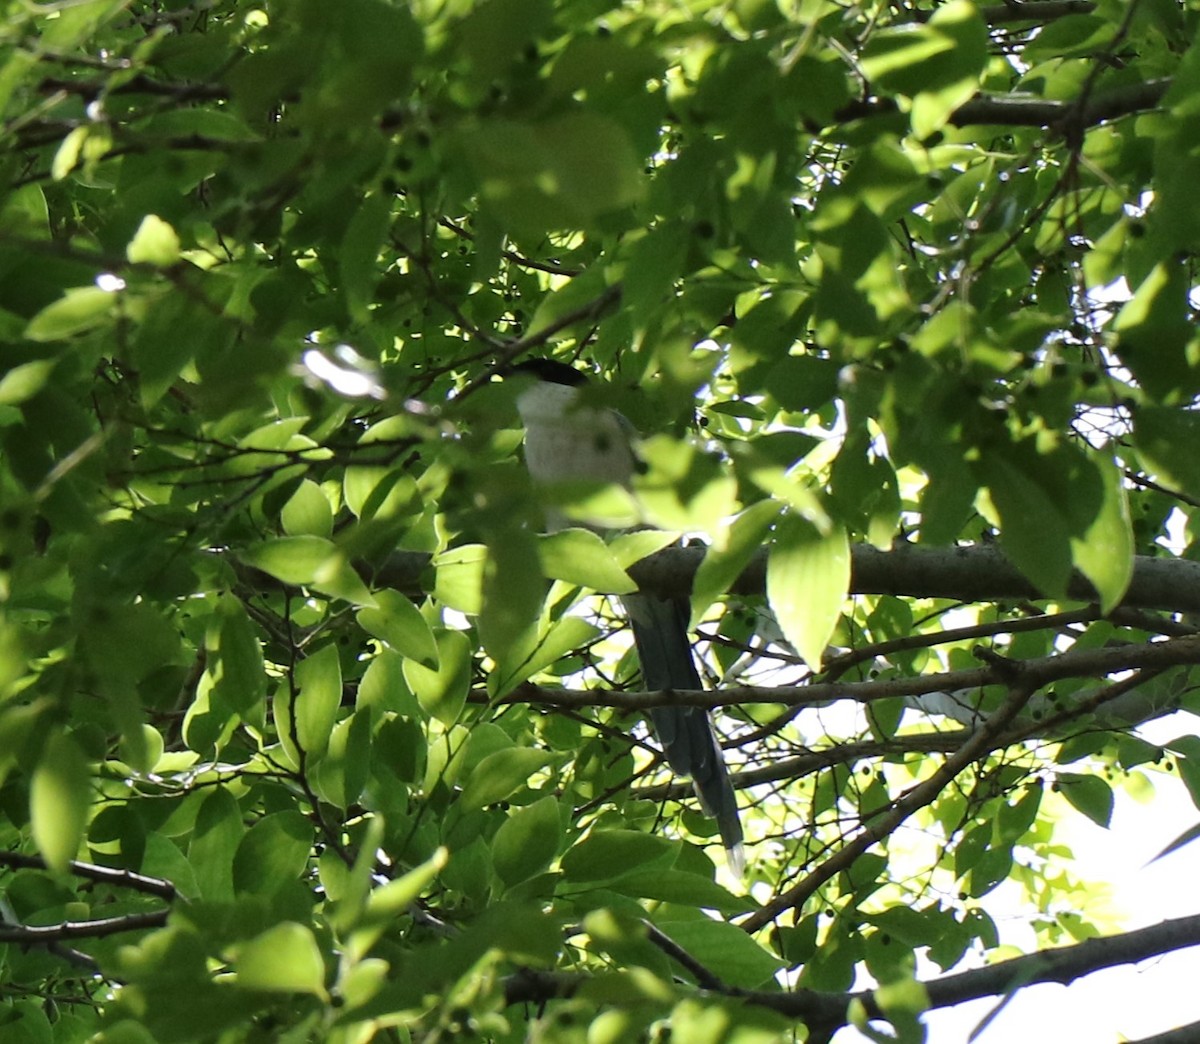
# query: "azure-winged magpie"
568,440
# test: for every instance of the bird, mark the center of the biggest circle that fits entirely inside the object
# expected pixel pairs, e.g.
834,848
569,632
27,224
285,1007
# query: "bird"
569,440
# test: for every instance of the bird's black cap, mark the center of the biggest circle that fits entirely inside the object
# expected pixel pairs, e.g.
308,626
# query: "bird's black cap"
550,370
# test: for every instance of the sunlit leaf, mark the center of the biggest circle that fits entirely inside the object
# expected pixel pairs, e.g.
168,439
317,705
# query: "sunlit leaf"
722,565
579,556
319,685
284,958
308,512
442,692
59,798
808,575
154,243
78,310
398,622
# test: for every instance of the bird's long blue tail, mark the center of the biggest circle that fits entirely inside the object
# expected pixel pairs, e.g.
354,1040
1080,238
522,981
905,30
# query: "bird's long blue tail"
686,733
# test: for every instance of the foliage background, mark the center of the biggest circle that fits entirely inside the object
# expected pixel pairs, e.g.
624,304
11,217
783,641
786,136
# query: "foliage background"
297,741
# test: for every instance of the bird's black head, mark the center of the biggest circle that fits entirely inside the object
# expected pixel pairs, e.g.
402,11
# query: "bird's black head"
550,370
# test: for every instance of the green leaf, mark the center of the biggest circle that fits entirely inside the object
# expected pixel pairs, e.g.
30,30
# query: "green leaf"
513,590
495,33
60,795
25,381
1034,532
579,556
346,767
214,845
1164,437
308,512
1104,553
459,578
273,853
339,579
607,855
1089,794
395,620
628,548
904,997
160,354
154,243
24,213
524,660
241,680
561,172
1155,333
319,680
684,488
379,493
622,937
77,21
383,687
310,560
285,958
950,48
442,692
527,841
948,499
78,310
501,773
358,259
216,124
671,885
725,950
294,559
721,566
66,156
957,75
655,261
1015,819
808,576
446,756
392,900
970,849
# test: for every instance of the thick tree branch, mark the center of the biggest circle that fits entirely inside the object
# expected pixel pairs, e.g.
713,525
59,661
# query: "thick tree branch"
1063,966
966,574
1188,1034
828,1011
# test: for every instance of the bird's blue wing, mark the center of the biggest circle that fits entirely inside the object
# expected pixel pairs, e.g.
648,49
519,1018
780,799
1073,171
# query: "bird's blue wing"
686,734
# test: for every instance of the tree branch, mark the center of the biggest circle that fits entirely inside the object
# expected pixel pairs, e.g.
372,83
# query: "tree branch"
828,1011
1188,1034
1063,966
49,933
104,874
971,573
1038,672
1010,111
1030,11
916,797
